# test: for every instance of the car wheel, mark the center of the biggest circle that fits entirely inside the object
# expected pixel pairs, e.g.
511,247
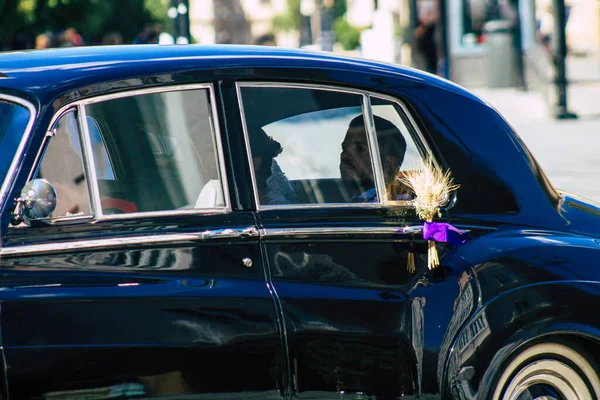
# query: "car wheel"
549,371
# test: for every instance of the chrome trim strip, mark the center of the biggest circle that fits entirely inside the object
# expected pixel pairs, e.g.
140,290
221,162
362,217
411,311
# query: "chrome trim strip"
229,233
319,206
397,203
166,213
136,92
36,161
374,149
325,231
12,169
330,88
65,218
88,162
414,230
388,205
250,231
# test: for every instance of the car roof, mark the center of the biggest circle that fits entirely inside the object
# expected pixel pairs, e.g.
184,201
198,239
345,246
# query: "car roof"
54,77
38,71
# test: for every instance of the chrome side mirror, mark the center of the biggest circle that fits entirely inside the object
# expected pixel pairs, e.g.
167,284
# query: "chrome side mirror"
37,200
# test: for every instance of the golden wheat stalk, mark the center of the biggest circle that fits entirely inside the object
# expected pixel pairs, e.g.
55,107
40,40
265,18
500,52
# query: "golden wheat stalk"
432,187
410,262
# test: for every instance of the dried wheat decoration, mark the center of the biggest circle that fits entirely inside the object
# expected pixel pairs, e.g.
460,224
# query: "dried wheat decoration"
432,187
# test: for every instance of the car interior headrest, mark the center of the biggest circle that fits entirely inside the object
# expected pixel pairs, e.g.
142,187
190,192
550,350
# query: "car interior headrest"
211,195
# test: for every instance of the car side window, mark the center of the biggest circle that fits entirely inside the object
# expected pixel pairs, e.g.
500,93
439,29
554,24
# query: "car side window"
63,166
313,146
399,151
295,137
156,152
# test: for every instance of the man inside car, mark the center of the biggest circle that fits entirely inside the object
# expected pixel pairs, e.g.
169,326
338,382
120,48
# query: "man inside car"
356,168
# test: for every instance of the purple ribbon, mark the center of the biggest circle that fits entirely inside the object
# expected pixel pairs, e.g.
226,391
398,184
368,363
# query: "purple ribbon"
445,233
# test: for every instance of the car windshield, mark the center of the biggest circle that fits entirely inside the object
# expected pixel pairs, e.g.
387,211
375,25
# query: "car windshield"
13,122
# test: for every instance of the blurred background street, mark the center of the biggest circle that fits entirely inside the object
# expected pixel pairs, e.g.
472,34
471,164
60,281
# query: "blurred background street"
566,149
536,61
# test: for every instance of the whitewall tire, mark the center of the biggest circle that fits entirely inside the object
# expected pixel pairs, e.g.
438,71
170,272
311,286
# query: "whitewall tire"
549,371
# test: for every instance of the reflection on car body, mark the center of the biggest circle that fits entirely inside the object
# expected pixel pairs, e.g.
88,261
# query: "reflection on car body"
188,222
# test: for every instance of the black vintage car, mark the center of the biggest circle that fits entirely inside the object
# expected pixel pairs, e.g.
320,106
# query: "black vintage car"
222,223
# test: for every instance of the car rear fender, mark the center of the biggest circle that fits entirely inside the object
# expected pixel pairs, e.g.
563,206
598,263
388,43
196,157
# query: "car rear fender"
512,322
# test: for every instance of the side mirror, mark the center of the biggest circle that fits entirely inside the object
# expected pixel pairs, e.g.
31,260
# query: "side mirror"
37,201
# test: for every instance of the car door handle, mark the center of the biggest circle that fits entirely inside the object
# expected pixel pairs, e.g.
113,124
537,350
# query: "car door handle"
229,233
418,230
413,230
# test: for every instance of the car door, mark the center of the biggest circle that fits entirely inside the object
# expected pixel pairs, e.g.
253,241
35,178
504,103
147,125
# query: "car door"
146,280
354,311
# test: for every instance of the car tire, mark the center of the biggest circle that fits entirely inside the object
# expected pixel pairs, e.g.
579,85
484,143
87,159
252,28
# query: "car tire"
549,371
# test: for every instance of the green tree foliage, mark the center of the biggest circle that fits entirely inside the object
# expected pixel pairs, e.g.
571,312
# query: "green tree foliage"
11,19
339,8
291,19
345,34
91,18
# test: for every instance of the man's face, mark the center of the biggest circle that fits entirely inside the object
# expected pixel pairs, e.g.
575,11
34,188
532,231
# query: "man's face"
355,160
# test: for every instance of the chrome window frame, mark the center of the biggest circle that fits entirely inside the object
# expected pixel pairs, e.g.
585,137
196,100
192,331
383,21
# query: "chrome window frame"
90,169
374,149
372,142
88,161
11,174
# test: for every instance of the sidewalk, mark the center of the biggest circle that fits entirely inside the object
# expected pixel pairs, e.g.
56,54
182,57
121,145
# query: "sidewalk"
568,150
585,68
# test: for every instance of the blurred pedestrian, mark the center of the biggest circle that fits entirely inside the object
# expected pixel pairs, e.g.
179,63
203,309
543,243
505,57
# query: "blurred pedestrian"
112,38
44,41
148,35
424,47
268,39
70,38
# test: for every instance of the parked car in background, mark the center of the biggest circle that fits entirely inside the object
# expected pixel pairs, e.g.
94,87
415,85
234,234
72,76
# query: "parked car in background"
222,222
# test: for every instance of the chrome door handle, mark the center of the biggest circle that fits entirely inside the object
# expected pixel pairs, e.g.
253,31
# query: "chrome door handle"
418,229
250,231
229,233
413,230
